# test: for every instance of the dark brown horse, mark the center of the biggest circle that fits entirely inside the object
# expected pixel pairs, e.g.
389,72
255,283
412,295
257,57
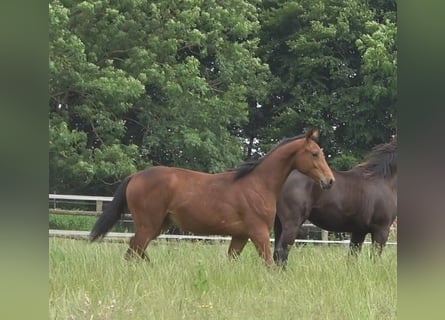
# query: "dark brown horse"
363,200
240,202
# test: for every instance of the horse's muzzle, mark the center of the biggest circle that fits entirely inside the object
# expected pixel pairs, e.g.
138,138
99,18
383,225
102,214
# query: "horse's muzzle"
326,184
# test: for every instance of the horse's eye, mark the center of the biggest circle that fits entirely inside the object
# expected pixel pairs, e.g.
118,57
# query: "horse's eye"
315,154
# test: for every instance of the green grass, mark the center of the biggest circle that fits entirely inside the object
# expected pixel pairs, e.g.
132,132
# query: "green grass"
80,223
68,222
185,280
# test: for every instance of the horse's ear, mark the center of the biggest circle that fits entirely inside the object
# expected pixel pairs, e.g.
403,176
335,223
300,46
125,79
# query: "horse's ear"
312,134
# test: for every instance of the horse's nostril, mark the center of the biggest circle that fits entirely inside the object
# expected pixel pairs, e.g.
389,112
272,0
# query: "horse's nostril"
327,184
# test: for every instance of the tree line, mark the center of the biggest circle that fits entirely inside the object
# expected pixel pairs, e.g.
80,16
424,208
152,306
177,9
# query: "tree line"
205,85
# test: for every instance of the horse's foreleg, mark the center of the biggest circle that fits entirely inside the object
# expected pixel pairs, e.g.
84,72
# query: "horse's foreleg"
262,243
286,240
236,246
355,245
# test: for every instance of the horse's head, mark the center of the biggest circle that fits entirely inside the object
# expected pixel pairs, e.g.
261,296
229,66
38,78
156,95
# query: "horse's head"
311,161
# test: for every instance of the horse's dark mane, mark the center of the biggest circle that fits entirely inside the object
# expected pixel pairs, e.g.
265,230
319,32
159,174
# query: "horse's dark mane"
248,166
382,161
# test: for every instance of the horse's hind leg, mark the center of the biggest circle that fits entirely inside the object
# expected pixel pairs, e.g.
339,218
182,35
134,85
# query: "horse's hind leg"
355,245
379,238
135,250
236,246
145,231
138,244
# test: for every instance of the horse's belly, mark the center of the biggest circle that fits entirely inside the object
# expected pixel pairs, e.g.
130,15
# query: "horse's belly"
331,221
208,223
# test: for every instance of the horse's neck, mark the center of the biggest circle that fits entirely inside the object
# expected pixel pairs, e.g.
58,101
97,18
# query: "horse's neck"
277,166
358,170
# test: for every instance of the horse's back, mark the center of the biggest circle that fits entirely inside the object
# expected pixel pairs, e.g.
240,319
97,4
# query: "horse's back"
177,181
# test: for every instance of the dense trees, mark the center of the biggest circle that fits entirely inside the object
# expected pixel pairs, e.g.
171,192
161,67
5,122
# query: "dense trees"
336,69
205,84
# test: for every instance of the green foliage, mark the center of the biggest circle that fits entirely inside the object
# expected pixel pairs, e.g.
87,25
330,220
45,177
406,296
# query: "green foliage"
139,82
88,103
204,84
343,162
335,62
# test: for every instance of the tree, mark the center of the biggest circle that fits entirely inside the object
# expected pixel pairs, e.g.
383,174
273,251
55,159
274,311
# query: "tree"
87,105
205,84
135,83
337,71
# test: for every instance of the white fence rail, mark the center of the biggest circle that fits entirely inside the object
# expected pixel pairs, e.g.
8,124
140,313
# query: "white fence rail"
99,200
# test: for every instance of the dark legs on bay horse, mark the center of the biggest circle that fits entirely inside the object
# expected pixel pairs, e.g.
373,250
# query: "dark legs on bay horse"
136,250
142,237
261,241
236,246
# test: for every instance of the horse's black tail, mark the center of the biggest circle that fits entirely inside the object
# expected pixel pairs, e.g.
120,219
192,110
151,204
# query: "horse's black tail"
112,212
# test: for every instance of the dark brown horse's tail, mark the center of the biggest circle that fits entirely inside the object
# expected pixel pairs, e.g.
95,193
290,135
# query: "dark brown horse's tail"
112,212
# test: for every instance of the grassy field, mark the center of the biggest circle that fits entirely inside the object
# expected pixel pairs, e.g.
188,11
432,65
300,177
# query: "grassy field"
187,280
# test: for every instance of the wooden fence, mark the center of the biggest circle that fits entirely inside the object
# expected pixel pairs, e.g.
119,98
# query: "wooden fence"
98,203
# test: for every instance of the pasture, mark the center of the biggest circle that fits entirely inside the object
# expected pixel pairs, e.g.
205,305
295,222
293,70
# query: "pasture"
195,280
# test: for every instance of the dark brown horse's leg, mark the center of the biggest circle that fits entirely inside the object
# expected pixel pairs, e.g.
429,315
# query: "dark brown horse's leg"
278,243
286,240
355,245
379,238
236,246
262,243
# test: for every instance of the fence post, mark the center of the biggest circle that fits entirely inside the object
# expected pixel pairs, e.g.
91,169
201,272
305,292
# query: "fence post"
324,236
99,205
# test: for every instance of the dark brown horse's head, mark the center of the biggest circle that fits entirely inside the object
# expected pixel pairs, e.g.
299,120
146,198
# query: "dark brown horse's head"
311,161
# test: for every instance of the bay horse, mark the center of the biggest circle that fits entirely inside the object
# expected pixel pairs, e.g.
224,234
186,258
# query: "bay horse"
363,200
240,202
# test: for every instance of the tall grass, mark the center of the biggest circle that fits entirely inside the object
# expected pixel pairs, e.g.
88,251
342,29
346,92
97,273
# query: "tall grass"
186,280
82,223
